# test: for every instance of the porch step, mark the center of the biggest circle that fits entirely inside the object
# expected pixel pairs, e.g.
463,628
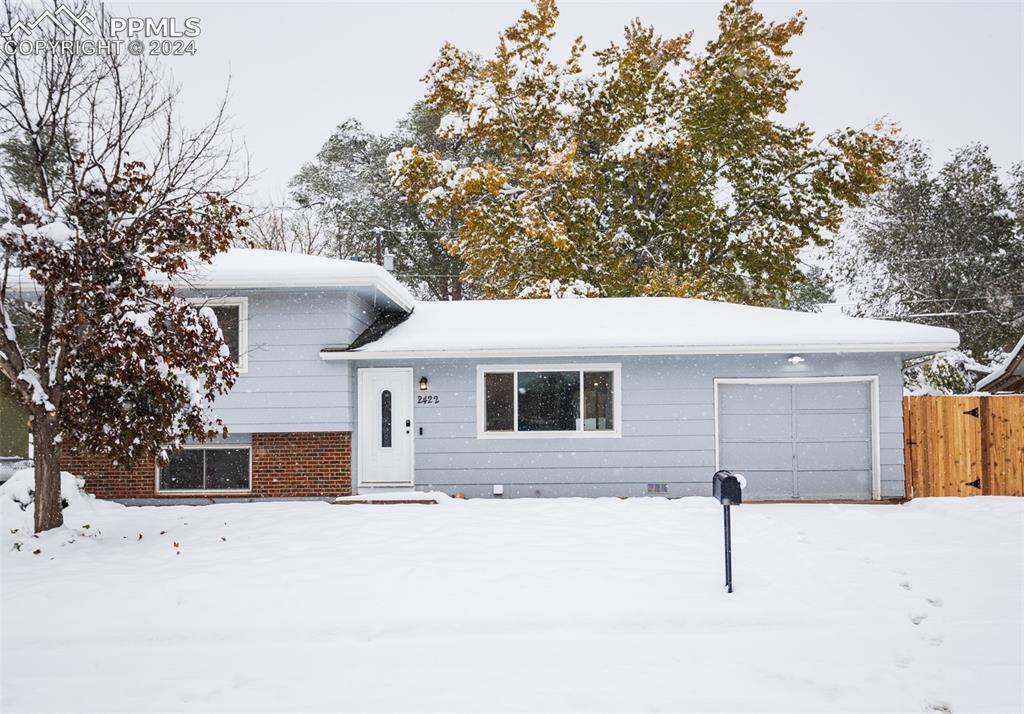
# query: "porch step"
387,497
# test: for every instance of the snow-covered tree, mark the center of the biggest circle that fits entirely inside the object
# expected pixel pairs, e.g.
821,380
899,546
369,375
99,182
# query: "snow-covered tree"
943,248
363,214
94,341
666,171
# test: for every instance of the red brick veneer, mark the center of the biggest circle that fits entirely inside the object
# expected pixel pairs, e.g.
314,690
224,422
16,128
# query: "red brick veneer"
284,465
310,463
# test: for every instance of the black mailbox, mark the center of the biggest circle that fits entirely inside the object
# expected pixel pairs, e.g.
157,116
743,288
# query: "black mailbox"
727,488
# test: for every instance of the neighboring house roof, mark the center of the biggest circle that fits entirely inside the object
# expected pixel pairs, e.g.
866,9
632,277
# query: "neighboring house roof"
257,268
644,325
1010,376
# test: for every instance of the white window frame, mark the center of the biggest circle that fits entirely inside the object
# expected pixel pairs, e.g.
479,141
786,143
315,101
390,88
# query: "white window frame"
514,369
205,491
870,380
243,323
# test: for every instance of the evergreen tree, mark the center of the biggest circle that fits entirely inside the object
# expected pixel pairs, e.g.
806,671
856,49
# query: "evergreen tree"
942,248
665,172
364,215
810,291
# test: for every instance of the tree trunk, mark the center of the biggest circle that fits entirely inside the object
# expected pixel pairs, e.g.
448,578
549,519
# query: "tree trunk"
48,513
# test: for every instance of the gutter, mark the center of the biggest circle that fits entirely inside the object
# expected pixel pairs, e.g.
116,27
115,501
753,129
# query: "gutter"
329,354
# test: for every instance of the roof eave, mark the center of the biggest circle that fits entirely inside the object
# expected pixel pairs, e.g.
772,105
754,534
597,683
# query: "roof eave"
329,354
392,292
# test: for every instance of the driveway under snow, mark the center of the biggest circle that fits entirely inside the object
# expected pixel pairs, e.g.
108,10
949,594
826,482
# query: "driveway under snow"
518,605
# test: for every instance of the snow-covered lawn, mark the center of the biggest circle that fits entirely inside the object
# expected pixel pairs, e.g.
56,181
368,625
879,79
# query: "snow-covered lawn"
518,605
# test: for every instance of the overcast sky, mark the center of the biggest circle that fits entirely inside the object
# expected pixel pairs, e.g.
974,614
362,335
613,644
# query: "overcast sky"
948,73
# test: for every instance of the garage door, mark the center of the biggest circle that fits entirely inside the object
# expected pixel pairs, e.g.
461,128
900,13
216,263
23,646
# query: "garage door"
797,440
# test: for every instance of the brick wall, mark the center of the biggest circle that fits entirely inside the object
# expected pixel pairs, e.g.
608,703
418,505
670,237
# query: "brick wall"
283,465
302,464
107,480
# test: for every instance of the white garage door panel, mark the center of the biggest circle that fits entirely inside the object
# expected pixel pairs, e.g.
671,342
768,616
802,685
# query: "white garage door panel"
767,481
836,426
748,456
763,427
833,456
833,395
835,484
757,398
798,439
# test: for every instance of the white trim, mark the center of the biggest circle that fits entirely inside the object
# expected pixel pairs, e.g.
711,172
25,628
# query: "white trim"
872,382
389,291
202,491
360,412
614,367
202,276
599,350
243,323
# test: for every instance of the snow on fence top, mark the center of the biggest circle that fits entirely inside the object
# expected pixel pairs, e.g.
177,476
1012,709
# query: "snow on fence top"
644,325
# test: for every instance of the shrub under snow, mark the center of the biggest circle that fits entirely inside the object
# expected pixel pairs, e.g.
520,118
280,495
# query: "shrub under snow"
17,501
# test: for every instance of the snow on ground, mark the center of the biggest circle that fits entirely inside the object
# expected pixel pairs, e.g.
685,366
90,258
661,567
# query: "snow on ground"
567,604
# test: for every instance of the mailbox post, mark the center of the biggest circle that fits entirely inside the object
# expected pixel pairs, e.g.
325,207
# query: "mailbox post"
729,491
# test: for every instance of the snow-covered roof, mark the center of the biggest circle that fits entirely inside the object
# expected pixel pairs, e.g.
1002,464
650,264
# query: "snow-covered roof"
1009,376
636,326
257,268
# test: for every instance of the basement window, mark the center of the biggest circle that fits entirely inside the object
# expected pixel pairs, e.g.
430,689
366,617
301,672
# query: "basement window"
206,469
548,401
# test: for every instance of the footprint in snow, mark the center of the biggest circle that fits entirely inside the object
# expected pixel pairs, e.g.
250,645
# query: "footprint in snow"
901,662
934,601
941,707
905,585
918,619
936,641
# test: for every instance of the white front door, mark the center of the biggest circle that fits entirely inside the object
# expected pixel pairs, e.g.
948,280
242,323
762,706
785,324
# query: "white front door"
385,427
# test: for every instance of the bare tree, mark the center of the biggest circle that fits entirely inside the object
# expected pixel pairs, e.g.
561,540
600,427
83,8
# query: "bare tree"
102,190
294,229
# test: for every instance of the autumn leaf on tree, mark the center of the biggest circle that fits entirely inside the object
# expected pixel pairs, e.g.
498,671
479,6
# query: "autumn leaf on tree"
666,171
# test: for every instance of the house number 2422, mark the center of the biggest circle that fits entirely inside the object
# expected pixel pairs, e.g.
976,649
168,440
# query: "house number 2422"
427,399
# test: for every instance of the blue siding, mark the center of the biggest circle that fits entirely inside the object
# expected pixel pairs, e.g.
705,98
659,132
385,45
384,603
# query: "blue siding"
287,386
667,410
668,427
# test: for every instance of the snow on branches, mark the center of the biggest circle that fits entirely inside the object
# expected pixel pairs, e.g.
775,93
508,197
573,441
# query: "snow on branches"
95,337
663,172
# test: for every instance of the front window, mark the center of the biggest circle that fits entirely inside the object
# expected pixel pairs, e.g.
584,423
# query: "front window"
206,469
544,401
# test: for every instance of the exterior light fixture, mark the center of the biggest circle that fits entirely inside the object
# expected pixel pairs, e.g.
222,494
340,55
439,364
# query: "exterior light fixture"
795,359
424,384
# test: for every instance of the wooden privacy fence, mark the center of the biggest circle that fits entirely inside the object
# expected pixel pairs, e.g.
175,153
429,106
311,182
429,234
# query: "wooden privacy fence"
964,445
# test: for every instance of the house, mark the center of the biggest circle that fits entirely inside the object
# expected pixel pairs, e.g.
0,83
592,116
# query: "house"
1008,377
349,385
